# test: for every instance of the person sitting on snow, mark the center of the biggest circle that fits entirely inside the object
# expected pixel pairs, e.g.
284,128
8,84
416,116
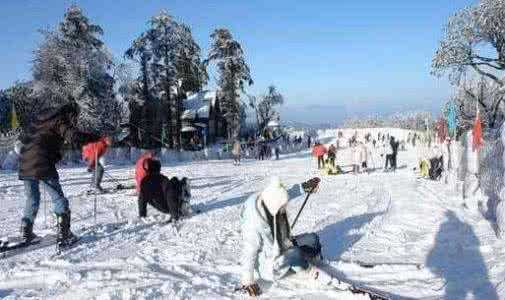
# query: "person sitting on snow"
169,196
92,154
331,169
268,246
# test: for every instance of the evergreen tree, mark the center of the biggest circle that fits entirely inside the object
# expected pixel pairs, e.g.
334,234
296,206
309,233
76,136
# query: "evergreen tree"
72,64
191,73
234,74
5,108
165,40
139,92
170,67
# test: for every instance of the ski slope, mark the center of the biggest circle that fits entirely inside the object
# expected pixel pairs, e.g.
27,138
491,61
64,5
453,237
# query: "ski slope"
429,245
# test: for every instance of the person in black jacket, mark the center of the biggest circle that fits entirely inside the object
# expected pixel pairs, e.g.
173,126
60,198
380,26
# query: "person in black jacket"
166,195
394,145
42,149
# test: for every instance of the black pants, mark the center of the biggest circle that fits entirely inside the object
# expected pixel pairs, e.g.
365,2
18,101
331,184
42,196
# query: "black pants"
331,160
320,162
389,161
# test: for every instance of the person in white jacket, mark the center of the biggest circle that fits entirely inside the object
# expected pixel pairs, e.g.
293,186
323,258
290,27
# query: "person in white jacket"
356,158
268,247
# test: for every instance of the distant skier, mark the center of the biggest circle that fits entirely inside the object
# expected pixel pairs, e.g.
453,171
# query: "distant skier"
268,246
235,151
319,151
356,158
364,156
169,196
388,149
92,154
42,149
394,159
309,141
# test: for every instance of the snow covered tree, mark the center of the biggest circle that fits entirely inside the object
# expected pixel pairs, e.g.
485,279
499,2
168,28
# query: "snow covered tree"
26,101
140,92
171,67
265,109
72,64
5,109
490,98
475,39
234,75
191,73
164,38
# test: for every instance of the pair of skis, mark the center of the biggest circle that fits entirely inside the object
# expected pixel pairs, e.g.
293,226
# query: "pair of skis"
16,245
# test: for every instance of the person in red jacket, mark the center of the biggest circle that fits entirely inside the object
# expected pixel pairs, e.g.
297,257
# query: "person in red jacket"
141,167
319,151
92,153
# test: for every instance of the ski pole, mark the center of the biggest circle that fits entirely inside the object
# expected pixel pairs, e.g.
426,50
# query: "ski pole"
95,182
304,202
113,179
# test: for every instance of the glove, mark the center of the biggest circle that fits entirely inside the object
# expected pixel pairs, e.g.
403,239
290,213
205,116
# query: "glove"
311,185
253,289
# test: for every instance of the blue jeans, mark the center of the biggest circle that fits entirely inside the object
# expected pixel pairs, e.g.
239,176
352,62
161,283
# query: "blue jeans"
32,192
297,258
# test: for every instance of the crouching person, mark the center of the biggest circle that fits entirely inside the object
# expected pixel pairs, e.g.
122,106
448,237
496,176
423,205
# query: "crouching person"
169,196
268,247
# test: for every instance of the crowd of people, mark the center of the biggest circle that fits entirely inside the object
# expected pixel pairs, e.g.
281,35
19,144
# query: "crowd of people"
268,247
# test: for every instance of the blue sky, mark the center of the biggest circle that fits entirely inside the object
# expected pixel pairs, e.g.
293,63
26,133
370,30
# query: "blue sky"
362,55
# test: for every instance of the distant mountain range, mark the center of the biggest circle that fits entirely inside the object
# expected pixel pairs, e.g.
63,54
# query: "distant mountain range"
313,116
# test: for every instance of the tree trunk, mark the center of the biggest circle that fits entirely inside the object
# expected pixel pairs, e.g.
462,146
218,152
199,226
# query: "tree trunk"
179,108
146,138
169,104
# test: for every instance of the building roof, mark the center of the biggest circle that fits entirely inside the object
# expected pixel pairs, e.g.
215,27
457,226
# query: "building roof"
198,104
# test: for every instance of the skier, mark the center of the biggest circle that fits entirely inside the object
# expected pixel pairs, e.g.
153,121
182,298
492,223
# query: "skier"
42,146
268,246
309,141
92,154
319,151
236,152
356,158
388,147
395,145
169,196
364,156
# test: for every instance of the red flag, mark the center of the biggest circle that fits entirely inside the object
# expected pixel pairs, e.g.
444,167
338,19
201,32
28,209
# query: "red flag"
442,131
477,133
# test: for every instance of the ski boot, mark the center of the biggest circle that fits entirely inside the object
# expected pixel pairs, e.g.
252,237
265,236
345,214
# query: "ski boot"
65,237
27,230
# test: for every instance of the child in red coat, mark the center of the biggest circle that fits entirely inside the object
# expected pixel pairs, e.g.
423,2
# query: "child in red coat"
92,153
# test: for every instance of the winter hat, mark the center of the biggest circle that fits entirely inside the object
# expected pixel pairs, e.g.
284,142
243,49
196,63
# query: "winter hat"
275,196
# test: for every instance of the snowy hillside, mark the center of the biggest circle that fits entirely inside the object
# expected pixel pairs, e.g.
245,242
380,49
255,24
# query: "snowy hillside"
430,246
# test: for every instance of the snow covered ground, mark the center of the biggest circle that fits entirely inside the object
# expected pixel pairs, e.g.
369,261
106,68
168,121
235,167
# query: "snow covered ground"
431,247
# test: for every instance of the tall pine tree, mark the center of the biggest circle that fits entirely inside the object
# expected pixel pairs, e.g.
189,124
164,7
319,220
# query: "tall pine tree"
234,75
72,64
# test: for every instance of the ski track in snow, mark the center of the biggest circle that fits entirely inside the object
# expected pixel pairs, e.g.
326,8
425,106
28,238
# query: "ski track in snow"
391,218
